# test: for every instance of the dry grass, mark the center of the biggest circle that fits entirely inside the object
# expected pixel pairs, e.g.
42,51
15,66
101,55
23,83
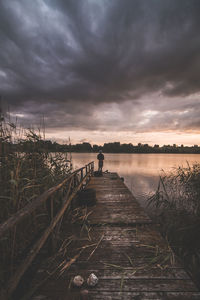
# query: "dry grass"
25,173
177,209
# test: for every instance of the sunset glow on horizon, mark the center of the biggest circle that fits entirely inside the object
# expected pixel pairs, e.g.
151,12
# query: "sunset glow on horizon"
102,71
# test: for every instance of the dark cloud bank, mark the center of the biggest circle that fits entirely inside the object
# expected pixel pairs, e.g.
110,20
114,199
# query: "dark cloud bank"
68,58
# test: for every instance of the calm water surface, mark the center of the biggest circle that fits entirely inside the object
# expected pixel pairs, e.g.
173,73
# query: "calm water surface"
140,171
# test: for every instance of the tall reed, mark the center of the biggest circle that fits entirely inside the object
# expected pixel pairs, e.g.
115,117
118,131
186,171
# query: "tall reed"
27,169
176,206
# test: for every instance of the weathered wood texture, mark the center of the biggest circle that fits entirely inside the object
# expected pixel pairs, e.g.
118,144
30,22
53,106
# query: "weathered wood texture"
132,260
115,202
75,182
29,208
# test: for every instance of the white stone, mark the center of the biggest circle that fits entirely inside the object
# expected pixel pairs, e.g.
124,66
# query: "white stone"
92,280
78,280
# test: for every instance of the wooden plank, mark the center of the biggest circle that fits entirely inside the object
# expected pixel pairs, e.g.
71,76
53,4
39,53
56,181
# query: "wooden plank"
112,217
126,296
126,210
114,273
144,296
131,285
29,208
132,261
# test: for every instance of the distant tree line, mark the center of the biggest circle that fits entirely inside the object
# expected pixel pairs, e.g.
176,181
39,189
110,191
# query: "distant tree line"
116,147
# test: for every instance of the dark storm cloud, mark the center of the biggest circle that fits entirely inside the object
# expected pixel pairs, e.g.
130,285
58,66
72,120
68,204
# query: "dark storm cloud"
65,57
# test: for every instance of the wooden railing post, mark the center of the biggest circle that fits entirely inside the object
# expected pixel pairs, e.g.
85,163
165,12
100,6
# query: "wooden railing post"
74,181
50,212
74,185
53,237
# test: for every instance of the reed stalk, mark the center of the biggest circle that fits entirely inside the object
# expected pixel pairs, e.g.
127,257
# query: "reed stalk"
176,206
27,169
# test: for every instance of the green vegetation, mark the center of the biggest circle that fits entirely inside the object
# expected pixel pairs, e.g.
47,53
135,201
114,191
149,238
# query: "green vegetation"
24,175
177,203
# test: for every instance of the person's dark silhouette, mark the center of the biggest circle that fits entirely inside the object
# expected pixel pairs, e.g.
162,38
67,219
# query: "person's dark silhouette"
100,158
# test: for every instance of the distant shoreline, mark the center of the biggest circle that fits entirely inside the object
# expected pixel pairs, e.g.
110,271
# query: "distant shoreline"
117,147
137,152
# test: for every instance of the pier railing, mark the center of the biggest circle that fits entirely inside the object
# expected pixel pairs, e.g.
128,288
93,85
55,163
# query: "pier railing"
70,186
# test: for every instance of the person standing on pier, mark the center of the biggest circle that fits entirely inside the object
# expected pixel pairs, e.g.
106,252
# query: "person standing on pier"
100,158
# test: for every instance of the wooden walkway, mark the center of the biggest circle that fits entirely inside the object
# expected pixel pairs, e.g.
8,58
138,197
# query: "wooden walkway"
129,256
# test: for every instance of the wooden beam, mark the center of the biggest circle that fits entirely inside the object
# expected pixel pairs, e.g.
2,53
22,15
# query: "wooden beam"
38,245
29,208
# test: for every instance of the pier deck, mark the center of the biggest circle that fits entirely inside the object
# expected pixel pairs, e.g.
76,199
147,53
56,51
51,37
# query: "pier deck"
129,256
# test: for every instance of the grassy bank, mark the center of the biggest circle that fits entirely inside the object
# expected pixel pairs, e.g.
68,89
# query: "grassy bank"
24,175
177,209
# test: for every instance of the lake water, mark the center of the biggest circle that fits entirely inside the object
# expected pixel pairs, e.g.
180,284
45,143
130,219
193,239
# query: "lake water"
140,171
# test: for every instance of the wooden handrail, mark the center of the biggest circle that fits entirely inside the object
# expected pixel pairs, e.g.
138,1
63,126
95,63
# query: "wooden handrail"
12,221
29,208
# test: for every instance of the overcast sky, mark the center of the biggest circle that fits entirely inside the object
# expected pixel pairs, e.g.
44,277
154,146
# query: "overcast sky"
103,70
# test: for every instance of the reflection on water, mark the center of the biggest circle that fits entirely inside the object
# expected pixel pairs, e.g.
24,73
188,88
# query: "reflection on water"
140,171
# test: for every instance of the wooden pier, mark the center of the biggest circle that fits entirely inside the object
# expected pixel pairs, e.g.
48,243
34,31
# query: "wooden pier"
124,250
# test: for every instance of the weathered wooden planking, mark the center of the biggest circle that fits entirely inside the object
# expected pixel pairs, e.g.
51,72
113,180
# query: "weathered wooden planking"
129,285
106,295
131,261
125,247
108,272
115,203
145,296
